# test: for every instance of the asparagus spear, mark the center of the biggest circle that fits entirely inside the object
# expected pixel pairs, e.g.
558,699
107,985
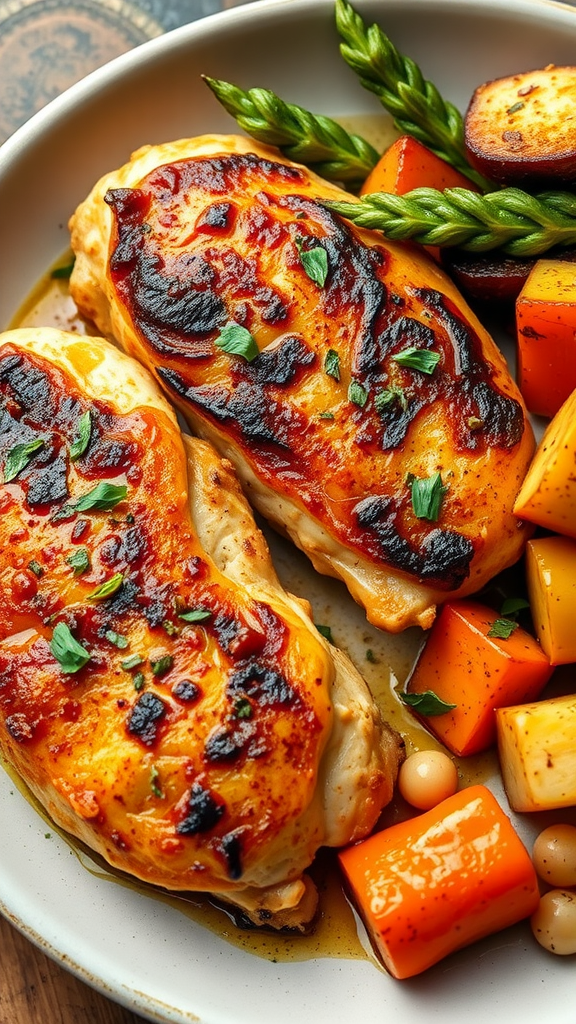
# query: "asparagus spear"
511,220
312,139
416,105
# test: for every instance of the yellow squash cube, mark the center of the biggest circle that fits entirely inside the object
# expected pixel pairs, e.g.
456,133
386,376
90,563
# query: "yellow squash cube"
548,495
551,581
537,751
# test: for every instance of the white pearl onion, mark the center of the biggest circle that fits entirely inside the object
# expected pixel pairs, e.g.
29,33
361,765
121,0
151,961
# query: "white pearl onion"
554,855
554,922
426,778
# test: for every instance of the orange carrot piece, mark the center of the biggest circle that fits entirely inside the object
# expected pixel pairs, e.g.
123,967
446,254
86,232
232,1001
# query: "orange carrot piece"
546,336
408,164
435,883
478,673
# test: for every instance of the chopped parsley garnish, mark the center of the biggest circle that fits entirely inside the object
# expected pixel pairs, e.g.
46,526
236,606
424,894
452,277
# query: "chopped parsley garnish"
82,436
427,703
154,776
117,638
18,458
501,629
195,614
66,649
131,662
101,498
63,271
512,605
79,560
242,708
237,341
332,364
36,568
162,665
418,359
427,494
314,261
139,680
357,393
325,631
389,396
106,589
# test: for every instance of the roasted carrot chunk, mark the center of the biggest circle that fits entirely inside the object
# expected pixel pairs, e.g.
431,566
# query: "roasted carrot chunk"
546,336
408,164
462,664
431,885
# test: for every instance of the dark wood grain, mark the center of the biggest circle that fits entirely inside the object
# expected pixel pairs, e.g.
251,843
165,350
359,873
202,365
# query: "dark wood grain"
36,990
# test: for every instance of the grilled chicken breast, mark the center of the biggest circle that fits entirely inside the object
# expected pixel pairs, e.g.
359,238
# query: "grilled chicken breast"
368,413
160,693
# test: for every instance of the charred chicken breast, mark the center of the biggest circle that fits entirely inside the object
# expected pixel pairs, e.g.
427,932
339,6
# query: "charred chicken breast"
161,694
368,413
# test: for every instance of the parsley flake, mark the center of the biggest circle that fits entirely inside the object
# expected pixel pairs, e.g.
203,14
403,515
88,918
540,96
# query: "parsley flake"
332,364
237,341
79,560
66,649
502,629
82,436
154,786
195,614
242,708
106,589
314,261
139,680
389,396
418,359
512,605
117,638
18,458
326,632
357,393
131,662
162,665
428,704
62,272
427,494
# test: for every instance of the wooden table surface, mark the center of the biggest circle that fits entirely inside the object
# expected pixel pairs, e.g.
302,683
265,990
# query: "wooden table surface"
36,990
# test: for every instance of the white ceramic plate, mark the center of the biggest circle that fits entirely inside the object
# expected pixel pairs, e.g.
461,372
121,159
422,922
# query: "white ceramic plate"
140,950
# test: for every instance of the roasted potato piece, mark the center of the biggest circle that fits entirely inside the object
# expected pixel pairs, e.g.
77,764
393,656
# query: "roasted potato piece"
521,130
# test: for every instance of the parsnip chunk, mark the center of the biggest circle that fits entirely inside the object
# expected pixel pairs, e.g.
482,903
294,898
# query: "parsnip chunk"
548,495
537,751
551,581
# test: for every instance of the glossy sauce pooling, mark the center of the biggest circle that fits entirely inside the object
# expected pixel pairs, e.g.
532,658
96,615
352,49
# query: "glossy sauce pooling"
187,684
206,242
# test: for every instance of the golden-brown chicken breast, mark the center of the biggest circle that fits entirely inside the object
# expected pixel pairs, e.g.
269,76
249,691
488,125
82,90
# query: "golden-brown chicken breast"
368,413
161,694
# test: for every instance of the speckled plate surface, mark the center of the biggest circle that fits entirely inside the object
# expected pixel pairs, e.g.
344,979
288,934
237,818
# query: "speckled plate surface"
147,952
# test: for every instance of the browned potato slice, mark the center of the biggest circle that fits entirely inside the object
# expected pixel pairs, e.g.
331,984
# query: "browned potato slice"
521,130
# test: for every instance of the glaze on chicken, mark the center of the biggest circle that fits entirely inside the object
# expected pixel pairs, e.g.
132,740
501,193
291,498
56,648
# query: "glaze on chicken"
362,379
161,694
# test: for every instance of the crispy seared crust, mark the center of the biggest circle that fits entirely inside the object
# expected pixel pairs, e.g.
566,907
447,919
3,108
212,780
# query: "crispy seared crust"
192,235
222,769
